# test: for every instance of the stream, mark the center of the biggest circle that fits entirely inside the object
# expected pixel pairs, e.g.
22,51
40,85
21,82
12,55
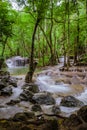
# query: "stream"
50,80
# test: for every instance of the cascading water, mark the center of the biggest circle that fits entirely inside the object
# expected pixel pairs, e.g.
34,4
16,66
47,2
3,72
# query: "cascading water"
46,83
17,61
83,97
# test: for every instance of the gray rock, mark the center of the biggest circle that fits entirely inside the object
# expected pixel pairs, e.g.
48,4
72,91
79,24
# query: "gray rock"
36,108
23,116
82,112
13,81
7,91
13,102
43,98
70,101
25,128
56,109
2,85
4,75
31,87
26,95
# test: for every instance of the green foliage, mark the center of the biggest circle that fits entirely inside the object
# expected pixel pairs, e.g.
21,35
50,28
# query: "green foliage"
18,27
6,21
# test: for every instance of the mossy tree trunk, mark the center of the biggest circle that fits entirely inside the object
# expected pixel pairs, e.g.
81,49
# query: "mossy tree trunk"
68,36
2,54
33,64
77,38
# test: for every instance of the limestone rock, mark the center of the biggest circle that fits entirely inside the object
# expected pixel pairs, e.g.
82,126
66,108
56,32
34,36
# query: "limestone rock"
23,116
7,91
31,87
43,98
83,113
36,108
70,101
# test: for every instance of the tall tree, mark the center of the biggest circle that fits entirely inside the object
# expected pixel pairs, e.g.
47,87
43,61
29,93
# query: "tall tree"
6,23
68,34
40,8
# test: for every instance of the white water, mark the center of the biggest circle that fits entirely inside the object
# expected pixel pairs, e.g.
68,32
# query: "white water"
83,97
46,83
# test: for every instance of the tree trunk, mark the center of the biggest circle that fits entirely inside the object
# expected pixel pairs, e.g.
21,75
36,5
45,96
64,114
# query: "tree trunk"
77,39
86,30
68,38
2,55
53,60
65,36
4,47
33,64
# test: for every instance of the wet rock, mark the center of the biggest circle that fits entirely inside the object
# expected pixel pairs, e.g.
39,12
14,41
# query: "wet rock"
56,110
77,121
7,91
50,125
4,75
29,124
62,80
36,108
72,122
31,87
25,128
13,102
13,81
43,98
77,88
70,101
26,95
2,85
83,113
75,80
23,116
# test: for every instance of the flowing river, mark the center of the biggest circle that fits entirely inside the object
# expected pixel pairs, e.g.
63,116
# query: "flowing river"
50,80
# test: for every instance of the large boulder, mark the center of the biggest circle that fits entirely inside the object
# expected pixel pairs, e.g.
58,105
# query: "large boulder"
77,121
43,98
83,113
7,91
12,81
26,95
72,123
31,87
23,116
4,75
13,102
70,101
36,108
21,122
2,85
56,110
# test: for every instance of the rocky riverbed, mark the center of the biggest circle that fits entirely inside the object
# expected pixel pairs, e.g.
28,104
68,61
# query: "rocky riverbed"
52,101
